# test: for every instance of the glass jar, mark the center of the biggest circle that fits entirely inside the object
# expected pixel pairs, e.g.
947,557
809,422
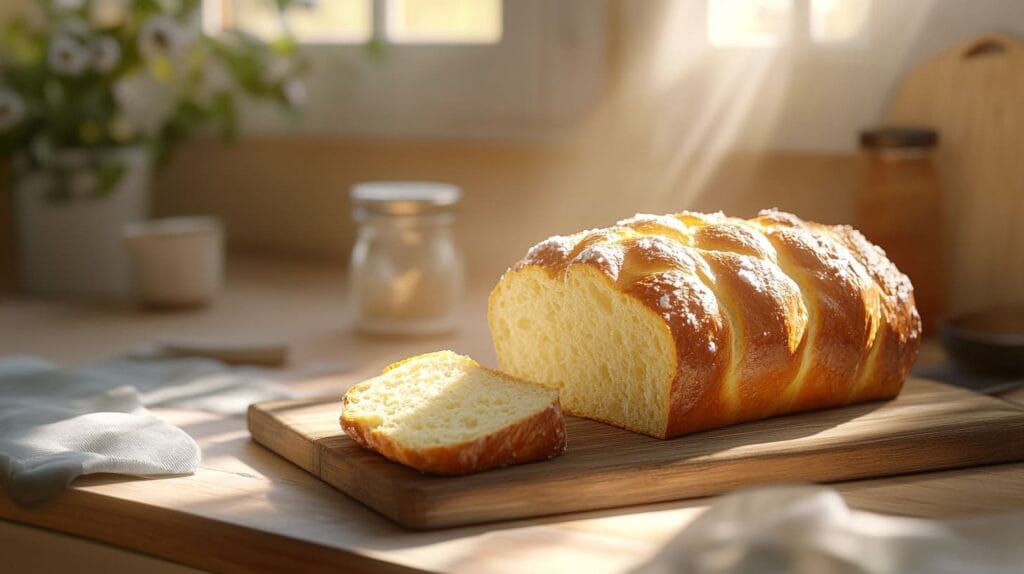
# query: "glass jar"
406,274
900,209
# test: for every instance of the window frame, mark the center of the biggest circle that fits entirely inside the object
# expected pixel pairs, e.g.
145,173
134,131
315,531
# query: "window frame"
547,71
798,32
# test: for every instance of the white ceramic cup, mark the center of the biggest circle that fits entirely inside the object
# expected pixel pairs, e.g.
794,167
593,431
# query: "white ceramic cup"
176,261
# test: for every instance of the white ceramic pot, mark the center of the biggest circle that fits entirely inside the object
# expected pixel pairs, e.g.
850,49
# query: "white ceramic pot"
176,261
72,247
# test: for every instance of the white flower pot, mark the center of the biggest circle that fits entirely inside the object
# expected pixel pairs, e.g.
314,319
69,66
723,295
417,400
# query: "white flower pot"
73,247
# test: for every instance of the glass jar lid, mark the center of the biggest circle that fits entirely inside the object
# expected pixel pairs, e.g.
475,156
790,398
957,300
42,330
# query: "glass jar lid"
404,197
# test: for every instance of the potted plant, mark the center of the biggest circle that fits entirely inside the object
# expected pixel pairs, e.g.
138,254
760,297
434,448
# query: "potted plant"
93,93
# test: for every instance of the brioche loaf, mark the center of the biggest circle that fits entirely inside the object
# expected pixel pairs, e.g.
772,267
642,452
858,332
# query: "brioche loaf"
444,413
672,324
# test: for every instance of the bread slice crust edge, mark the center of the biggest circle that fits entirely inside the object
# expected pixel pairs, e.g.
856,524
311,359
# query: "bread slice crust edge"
540,436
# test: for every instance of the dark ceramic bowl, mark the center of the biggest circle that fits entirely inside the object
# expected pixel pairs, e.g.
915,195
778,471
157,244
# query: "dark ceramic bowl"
990,341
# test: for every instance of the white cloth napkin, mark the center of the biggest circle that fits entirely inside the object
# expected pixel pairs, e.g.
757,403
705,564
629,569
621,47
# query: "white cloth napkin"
809,529
57,424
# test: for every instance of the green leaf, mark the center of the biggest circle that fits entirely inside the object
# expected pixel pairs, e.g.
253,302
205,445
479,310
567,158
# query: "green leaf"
283,45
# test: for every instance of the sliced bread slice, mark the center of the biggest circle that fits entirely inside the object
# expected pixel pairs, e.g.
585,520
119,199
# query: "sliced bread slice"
443,413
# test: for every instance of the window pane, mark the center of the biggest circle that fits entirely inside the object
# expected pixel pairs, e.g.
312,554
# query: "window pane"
748,22
324,21
838,20
443,21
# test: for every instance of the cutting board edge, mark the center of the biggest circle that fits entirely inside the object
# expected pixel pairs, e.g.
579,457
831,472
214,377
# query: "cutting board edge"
269,431
1006,450
255,415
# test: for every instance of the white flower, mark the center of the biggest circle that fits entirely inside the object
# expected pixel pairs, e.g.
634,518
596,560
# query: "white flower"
161,36
145,102
68,55
12,109
295,93
106,53
106,14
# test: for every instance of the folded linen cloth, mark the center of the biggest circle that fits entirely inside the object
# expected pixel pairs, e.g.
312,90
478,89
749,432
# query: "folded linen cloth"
788,529
57,424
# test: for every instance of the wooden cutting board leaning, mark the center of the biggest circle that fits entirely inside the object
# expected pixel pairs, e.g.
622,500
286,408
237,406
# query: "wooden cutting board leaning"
929,426
973,95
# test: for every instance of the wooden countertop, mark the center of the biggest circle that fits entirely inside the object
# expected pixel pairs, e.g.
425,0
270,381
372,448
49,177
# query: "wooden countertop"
247,509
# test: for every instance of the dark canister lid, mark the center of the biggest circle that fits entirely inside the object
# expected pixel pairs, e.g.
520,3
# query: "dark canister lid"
898,137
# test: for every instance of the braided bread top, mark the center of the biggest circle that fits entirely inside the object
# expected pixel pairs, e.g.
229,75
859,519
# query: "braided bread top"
774,314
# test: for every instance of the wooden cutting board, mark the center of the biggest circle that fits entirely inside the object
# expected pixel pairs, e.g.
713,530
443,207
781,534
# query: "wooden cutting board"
929,426
973,94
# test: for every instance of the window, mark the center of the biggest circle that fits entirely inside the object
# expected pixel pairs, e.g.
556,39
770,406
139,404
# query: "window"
330,21
767,23
453,21
838,20
358,21
753,23
479,69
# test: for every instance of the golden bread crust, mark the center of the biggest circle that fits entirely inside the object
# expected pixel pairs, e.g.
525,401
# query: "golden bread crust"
769,315
538,437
